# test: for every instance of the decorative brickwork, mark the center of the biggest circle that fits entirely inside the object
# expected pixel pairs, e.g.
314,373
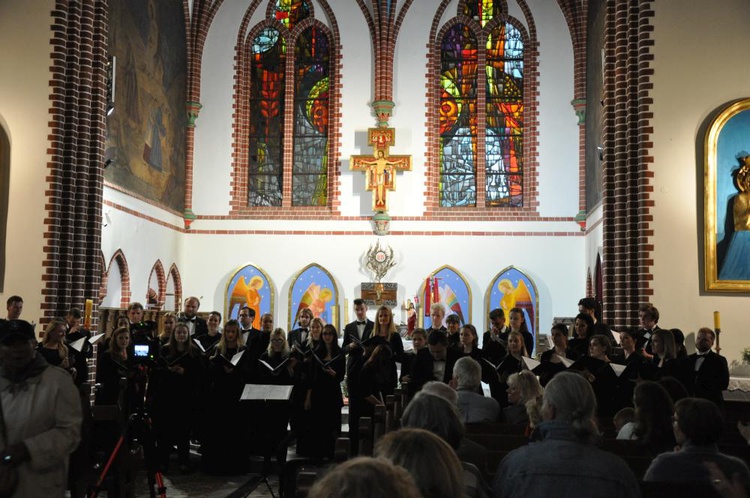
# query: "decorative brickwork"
628,168
529,211
174,274
118,258
72,236
240,157
161,283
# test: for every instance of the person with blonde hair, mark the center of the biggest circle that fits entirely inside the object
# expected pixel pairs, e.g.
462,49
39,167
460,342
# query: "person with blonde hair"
429,460
437,314
366,477
168,322
53,347
523,388
385,327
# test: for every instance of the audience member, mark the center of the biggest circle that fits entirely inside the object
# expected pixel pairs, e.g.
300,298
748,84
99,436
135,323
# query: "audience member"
698,425
568,432
523,388
652,426
366,477
474,407
445,391
428,459
41,414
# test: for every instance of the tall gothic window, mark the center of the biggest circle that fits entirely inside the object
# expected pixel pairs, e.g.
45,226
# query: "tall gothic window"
481,66
279,113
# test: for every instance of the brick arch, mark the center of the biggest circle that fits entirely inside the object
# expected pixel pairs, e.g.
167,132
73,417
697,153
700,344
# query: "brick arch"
241,118
122,264
529,209
174,274
161,282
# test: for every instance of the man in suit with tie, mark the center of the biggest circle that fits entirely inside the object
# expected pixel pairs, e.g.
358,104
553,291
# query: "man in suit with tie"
299,335
196,325
435,362
360,329
648,317
708,374
247,317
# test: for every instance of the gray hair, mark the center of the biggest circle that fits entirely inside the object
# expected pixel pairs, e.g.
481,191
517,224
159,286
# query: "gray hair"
437,388
572,398
528,385
435,414
468,373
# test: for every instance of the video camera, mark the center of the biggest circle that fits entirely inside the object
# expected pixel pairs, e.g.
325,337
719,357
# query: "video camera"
145,344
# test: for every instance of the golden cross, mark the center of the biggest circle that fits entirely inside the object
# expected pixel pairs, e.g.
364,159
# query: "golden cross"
381,167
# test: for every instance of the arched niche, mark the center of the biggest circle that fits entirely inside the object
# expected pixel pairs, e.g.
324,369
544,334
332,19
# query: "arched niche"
314,287
249,286
513,288
453,292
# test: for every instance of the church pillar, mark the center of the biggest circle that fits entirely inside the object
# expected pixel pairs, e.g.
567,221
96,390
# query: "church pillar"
72,237
627,192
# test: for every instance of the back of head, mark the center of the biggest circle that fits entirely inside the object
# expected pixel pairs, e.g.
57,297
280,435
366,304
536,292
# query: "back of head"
437,337
653,409
699,420
365,477
571,398
528,385
429,460
468,373
435,414
442,390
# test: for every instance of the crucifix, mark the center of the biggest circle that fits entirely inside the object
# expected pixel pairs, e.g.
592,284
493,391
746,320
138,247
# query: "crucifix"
381,167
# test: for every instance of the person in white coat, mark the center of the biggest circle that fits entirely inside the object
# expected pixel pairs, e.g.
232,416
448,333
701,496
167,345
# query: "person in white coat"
41,414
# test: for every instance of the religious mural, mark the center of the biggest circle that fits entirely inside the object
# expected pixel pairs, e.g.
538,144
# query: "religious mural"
249,286
512,288
446,286
727,200
315,289
146,131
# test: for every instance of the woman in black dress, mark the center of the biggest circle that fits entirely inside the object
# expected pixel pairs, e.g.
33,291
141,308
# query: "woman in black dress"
583,331
177,380
113,365
323,399
552,358
512,363
378,377
385,327
469,342
225,450
53,347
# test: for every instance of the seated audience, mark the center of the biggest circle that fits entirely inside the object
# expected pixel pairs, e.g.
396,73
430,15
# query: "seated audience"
428,459
623,417
445,391
568,433
473,406
652,426
437,415
523,388
698,425
366,477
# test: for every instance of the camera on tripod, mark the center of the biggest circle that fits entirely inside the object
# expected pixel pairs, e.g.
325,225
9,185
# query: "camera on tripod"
145,344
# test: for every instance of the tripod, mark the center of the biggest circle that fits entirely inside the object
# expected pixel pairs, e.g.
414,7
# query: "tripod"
138,434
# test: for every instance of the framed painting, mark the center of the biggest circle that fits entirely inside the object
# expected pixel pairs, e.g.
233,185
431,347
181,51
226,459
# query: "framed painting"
314,288
449,287
512,288
249,286
727,200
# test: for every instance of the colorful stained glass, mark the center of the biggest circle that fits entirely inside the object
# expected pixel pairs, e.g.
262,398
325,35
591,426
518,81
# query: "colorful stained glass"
311,105
291,12
458,118
482,10
504,126
265,171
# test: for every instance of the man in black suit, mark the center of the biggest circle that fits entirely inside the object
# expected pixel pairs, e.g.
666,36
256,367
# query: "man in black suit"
648,317
708,375
589,306
247,318
299,335
435,362
495,340
437,314
360,329
196,324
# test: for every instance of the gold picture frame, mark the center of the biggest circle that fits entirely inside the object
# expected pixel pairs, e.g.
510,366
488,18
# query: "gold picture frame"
727,161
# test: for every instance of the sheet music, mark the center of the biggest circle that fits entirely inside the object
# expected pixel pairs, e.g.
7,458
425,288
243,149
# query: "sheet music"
95,338
266,392
78,344
236,358
565,361
618,369
531,363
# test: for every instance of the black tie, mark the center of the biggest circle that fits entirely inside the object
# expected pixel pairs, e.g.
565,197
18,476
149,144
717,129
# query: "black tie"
362,323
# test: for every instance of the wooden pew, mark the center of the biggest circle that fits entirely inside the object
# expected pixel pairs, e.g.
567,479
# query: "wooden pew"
365,436
378,423
496,428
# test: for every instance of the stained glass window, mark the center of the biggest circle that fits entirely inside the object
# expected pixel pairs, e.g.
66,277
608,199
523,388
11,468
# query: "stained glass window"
482,10
265,169
458,118
291,12
309,174
502,81
504,129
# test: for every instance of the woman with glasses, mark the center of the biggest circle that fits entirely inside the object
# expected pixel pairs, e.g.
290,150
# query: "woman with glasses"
323,399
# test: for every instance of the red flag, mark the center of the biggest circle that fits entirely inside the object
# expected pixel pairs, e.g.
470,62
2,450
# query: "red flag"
427,296
435,291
